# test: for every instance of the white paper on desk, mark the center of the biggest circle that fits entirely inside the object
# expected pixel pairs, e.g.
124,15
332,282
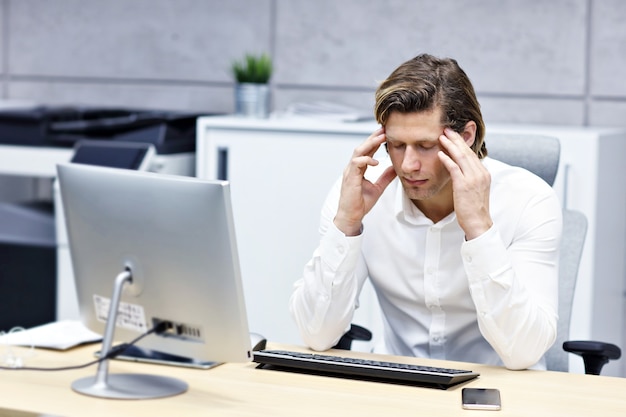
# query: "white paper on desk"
328,111
59,335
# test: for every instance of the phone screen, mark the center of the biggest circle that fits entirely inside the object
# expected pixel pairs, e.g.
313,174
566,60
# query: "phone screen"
481,398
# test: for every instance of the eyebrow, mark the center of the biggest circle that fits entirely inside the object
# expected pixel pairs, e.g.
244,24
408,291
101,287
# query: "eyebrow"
429,140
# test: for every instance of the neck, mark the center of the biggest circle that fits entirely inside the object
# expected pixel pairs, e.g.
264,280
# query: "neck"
437,207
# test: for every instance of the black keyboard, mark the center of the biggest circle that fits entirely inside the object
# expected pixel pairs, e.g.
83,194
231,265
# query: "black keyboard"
366,369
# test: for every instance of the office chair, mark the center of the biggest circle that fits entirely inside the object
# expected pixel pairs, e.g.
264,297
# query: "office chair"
540,155
595,354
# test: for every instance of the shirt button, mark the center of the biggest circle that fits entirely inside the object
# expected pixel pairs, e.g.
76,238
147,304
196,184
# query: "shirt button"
468,259
341,250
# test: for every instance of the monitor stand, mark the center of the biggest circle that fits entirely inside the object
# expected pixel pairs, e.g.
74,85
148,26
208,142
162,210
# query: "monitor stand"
124,386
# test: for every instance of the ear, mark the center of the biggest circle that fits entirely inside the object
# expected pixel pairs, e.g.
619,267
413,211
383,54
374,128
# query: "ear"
469,133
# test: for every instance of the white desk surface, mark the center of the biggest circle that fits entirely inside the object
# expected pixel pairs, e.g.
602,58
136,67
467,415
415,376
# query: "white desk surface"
32,161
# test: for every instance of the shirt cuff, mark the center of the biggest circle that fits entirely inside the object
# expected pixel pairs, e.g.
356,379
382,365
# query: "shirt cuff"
485,256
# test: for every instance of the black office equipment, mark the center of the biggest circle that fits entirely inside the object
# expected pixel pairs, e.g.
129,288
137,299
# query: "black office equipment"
63,126
27,264
117,137
127,155
367,369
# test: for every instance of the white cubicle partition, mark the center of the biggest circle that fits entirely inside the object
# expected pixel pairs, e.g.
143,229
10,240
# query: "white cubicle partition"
281,170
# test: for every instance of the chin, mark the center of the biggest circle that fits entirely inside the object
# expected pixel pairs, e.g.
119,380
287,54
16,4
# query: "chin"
419,194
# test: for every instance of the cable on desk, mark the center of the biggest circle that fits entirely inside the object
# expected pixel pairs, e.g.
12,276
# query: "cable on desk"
11,359
112,353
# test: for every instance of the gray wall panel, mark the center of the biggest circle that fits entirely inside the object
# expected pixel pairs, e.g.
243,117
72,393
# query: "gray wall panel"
3,38
361,101
530,60
532,110
608,113
505,47
205,99
608,52
167,39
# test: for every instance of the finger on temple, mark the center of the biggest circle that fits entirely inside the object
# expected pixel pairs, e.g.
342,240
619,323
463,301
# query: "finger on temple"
371,145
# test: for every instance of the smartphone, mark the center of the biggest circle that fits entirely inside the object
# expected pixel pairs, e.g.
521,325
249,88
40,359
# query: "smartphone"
481,398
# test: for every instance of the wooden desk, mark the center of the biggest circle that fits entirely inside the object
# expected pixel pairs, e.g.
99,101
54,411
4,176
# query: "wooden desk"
242,390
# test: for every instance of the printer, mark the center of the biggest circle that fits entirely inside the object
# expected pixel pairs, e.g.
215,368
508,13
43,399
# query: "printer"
35,273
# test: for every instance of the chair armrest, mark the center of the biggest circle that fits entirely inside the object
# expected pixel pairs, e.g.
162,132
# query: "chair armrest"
356,332
595,354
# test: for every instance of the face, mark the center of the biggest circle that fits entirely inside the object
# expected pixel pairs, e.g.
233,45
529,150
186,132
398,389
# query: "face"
413,144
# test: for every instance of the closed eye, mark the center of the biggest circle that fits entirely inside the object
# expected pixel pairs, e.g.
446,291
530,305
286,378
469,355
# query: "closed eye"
398,146
427,145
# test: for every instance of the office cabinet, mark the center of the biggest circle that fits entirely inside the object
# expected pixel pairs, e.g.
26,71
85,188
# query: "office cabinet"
281,169
280,172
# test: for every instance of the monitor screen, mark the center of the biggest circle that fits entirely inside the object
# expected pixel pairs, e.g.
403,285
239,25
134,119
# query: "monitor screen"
114,154
175,236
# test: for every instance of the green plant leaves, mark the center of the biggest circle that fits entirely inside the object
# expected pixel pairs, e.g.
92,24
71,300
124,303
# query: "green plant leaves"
253,69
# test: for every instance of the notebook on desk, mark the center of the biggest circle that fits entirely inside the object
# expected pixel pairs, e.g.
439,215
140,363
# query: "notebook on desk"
60,335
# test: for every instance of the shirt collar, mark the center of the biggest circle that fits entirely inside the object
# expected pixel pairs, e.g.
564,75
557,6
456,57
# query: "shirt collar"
407,212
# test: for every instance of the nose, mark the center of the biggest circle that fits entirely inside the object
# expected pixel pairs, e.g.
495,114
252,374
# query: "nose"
411,161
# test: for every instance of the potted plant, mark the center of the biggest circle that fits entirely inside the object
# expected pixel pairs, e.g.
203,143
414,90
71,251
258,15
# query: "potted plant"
252,75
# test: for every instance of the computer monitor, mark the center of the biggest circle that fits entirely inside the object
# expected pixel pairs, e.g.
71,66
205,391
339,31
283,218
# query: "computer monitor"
167,245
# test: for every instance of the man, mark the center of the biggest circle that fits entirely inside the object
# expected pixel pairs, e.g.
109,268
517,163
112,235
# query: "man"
461,249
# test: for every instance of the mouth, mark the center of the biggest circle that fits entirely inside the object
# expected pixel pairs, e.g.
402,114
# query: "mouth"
414,183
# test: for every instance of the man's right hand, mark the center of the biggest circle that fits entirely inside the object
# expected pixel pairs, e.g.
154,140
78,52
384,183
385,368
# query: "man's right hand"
358,195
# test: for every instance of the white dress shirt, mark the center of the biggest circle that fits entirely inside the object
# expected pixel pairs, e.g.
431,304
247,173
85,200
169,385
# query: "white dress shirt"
489,300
